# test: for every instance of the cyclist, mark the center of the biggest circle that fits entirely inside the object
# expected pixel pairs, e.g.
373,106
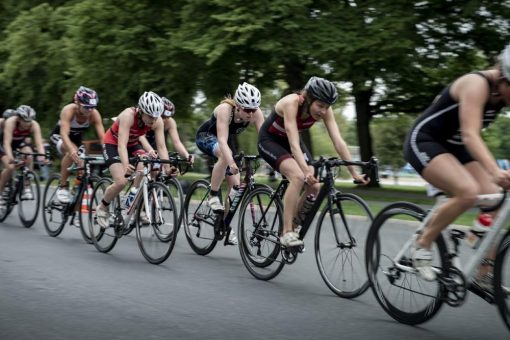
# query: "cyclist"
282,148
445,147
216,138
121,141
6,114
170,128
75,119
16,130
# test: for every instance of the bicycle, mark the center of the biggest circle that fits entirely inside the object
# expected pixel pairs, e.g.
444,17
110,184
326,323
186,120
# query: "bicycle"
156,216
398,287
204,227
173,183
56,214
340,231
24,178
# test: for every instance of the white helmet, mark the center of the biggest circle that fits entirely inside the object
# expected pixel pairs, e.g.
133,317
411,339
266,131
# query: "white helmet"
26,113
151,104
504,59
247,96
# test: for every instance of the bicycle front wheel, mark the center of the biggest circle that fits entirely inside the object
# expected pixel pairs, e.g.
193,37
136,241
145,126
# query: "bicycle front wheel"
156,228
199,219
175,188
55,213
400,291
340,239
84,202
103,239
260,225
29,199
502,279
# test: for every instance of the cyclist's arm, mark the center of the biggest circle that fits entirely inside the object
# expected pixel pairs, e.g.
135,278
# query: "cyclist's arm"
125,121
159,135
10,124
259,119
223,116
36,132
289,106
338,142
65,127
176,140
97,120
145,143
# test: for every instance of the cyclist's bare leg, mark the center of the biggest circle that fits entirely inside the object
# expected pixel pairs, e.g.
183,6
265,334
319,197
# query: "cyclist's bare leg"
448,174
67,161
218,172
29,160
309,189
119,182
6,172
290,169
231,181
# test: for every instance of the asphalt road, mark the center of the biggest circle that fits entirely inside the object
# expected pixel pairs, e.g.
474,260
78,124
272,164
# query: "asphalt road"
62,288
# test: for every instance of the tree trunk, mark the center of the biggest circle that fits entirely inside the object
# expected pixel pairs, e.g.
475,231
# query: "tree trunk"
363,116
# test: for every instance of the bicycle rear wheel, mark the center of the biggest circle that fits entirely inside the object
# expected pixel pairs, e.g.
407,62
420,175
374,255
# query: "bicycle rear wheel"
260,224
502,279
55,214
199,219
84,202
175,188
156,239
340,240
28,207
9,199
402,293
103,239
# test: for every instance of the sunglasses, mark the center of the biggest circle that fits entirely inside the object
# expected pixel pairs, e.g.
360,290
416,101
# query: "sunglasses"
249,110
88,108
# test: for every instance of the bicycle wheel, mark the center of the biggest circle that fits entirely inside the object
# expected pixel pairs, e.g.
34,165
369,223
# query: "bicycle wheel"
175,188
400,291
157,238
502,279
84,202
340,239
9,192
55,214
28,207
199,219
103,239
260,224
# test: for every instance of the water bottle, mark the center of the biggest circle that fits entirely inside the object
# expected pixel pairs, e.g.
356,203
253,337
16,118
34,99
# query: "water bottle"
305,209
233,193
480,226
130,197
76,184
238,194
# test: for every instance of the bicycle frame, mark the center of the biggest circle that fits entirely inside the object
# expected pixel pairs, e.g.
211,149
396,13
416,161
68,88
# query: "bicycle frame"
491,238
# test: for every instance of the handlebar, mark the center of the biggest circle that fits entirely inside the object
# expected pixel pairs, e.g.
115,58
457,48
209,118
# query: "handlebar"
245,162
370,165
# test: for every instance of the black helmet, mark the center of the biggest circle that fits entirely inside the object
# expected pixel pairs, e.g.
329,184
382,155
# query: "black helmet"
8,113
322,89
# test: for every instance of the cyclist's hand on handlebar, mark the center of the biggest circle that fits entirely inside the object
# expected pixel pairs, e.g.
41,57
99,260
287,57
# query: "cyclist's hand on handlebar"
310,178
191,159
502,178
361,179
75,156
129,169
234,170
171,170
42,159
152,154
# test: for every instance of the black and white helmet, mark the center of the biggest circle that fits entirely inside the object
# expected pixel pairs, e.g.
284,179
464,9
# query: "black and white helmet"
504,59
151,104
8,113
169,107
322,89
247,96
26,113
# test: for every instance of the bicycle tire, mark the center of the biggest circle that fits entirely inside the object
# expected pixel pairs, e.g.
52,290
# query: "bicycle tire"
4,213
157,240
385,234
260,225
502,279
333,249
24,210
83,211
199,221
52,210
177,192
103,239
